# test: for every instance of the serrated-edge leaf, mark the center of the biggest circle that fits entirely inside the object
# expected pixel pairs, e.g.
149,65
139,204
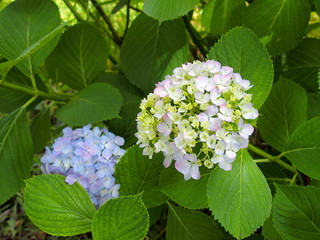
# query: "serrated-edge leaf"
109,220
221,52
56,207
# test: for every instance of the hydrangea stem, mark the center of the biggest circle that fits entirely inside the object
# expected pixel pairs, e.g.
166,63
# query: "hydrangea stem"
272,158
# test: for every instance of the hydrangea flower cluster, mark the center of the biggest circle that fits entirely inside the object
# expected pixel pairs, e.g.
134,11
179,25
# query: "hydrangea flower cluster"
201,115
88,157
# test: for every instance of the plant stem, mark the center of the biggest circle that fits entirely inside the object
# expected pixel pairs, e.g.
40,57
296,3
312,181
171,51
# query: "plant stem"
280,179
73,10
262,160
194,35
272,158
62,97
116,38
29,101
128,18
293,179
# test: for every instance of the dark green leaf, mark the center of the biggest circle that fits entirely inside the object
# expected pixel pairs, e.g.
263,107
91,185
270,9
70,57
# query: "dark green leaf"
56,207
79,57
189,194
280,23
313,105
186,224
240,199
303,63
152,50
168,9
283,112
296,212
123,218
269,231
16,152
22,26
40,129
137,173
97,102
241,49
219,16
303,148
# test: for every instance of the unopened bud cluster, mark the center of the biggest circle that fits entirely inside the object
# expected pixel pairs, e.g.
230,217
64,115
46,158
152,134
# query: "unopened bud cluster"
201,115
87,156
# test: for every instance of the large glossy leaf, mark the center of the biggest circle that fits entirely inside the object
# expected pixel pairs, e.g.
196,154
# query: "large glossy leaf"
296,212
241,49
97,102
189,194
79,57
16,152
186,224
152,50
168,9
123,218
240,199
303,63
56,207
137,173
22,24
303,148
284,110
281,23
219,16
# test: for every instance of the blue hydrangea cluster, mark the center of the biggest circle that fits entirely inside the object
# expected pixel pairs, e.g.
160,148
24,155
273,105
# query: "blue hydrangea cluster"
87,156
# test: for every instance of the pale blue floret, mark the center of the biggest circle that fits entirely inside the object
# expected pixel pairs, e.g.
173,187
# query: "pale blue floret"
88,157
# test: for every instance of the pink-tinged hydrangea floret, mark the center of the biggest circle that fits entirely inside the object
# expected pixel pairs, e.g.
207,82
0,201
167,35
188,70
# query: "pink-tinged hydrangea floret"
87,156
200,115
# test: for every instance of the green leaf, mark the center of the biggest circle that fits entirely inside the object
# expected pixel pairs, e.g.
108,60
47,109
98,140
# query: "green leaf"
240,199
303,148
56,207
314,182
129,92
40,129
283,112
152,49
137,173
241,49
219,16
23,24
79,57
281,23
168,9
126,127
97,102
123,218
303,63
155,214
269,231
16,153
186,224
296,212
317,5
313,105
189,194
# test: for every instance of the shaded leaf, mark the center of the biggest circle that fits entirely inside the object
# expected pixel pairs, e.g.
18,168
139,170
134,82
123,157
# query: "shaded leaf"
40,129
313,105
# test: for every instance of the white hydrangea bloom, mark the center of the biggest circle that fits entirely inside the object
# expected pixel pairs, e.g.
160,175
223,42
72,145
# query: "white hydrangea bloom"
201,115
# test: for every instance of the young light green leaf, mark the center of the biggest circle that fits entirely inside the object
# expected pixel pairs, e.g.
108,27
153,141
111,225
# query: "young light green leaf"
303,63
16,151
281,23
56,207
79,57
189,194
163,10
40,129
186,224
240,199
123,218
303,148
137,173
241,49
296,212
283,112
152,50
22,26
97,102
219,16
